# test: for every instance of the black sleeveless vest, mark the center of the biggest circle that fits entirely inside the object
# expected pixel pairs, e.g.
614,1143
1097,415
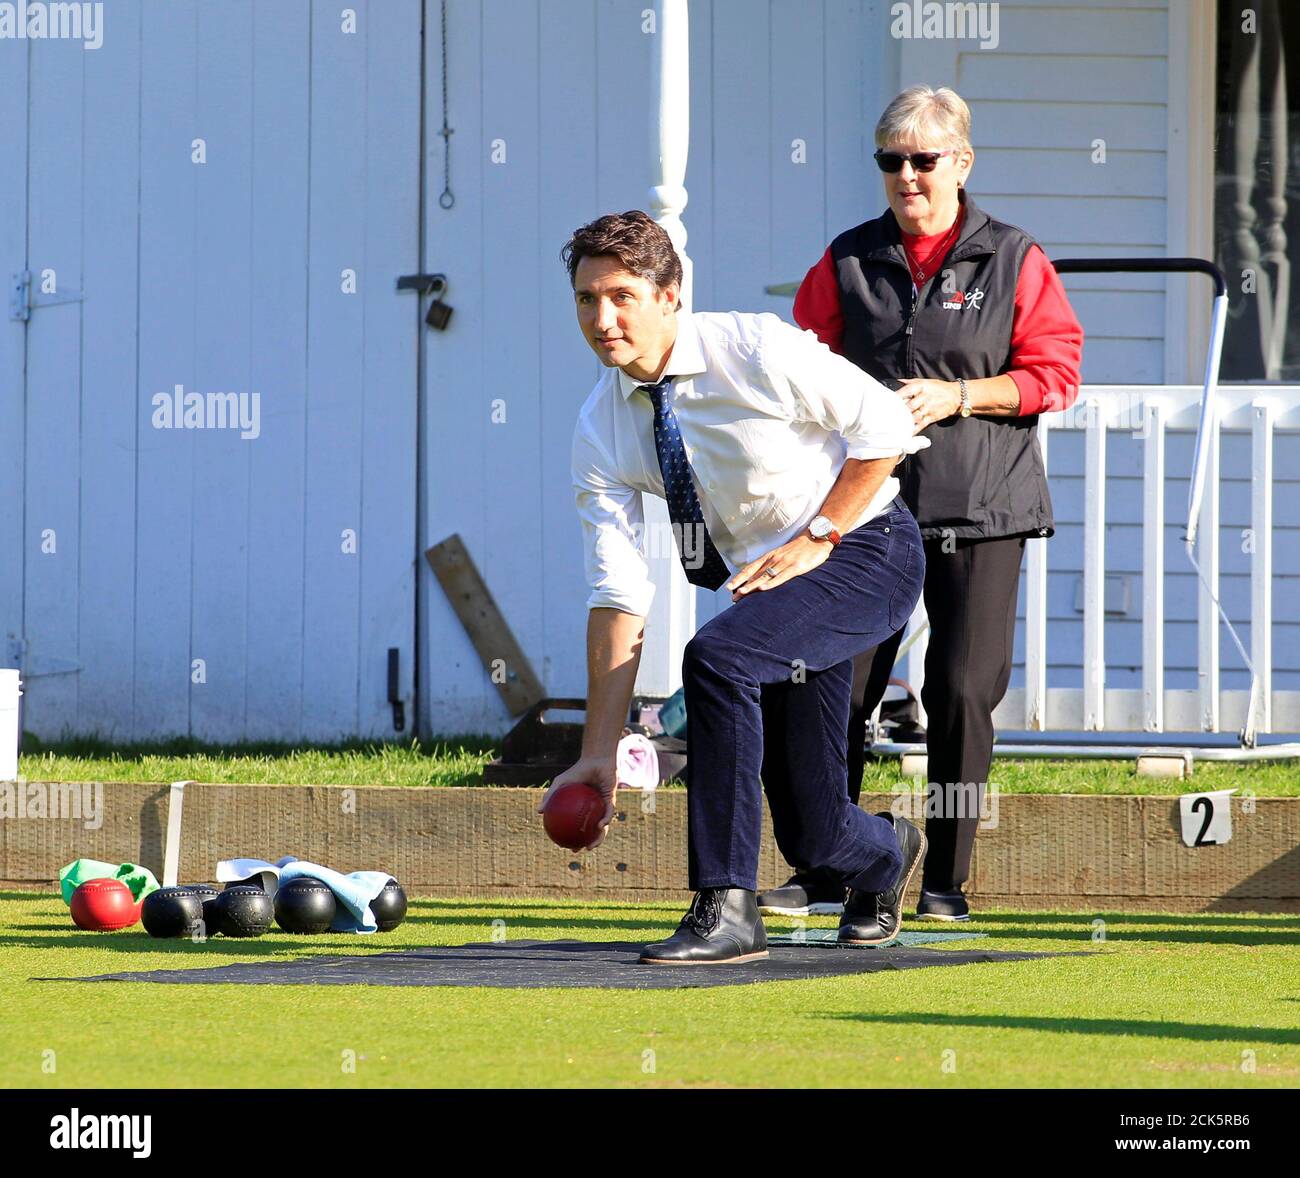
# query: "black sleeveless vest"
981,477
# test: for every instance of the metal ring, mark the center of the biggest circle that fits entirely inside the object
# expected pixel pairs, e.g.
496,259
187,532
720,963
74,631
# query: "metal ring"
770,571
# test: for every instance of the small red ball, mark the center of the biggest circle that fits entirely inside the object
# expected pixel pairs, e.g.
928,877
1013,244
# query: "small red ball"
103,905
572,816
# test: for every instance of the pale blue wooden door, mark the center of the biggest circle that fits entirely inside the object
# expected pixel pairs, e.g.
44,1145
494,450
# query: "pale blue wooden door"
234,188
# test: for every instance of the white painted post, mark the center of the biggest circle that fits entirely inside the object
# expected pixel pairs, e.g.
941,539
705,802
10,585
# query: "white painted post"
1036,620
1094,570
1207,616
672,616
10,691
670,134
1153,567
916,656
1263,413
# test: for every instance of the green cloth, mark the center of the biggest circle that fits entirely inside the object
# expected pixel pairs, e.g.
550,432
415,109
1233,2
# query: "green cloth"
140,880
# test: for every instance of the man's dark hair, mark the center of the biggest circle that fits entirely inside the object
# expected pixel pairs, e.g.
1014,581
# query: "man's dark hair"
641,246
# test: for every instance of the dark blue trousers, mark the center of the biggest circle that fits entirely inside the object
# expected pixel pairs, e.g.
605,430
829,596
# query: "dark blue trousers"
767,685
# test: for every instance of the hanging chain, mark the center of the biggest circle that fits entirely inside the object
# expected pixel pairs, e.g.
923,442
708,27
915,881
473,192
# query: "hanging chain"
446,200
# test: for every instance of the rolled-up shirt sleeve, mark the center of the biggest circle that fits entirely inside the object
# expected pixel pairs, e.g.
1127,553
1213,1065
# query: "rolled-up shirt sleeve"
838,395
613,531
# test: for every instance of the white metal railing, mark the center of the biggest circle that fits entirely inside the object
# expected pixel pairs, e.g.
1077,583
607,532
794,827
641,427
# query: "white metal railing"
1152,413
1158,412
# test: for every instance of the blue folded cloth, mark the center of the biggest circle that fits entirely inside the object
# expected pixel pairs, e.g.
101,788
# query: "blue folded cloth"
354,892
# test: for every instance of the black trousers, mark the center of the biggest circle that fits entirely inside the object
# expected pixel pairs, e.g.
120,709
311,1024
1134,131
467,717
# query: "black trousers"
970,596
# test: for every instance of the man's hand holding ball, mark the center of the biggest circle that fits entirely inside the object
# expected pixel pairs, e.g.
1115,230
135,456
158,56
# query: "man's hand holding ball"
578,808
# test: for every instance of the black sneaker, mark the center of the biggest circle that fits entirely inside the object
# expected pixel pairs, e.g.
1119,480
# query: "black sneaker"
721,925
945,905
874,918
806,893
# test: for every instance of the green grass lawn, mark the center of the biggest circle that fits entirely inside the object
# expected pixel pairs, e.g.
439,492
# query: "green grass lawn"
460,761
1207,1000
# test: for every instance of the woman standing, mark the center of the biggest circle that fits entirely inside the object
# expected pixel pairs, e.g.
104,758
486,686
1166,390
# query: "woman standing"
966,314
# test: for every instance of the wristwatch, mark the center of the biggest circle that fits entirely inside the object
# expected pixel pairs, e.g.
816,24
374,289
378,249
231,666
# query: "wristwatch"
965,396
821,528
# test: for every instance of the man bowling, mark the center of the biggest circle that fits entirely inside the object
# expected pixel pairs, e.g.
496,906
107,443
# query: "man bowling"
775,456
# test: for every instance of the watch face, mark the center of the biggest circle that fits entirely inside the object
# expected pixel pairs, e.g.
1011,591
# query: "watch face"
820,527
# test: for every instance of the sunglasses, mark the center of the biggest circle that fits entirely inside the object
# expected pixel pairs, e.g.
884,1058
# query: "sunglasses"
922,161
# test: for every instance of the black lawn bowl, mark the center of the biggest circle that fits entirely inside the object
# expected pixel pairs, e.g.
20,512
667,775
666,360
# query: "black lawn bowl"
207,893
305,906
389,907
172,912
241,911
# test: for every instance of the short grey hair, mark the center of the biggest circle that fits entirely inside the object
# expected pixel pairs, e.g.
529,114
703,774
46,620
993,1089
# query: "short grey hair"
925,115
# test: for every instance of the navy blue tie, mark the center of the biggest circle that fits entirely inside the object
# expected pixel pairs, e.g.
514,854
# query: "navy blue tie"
704,566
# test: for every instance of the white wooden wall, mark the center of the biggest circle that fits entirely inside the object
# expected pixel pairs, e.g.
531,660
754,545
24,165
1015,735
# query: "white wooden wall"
555,91
190,544
763,75
183,545
563,85
1063,76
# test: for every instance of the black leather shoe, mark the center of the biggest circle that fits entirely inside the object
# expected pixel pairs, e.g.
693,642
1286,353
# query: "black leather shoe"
874,918
721,925
945,905
806,893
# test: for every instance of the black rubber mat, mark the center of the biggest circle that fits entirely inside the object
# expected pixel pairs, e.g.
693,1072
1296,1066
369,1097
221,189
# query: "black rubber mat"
535,964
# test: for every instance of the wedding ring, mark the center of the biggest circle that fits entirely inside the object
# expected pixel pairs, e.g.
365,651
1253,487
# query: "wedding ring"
770,571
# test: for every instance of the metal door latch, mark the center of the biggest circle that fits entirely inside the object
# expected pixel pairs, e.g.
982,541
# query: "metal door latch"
434,284
394,689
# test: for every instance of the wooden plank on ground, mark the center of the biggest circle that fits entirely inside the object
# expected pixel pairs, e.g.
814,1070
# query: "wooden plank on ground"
503,658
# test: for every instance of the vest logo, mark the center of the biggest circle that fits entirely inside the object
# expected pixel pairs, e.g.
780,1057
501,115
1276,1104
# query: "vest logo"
959,300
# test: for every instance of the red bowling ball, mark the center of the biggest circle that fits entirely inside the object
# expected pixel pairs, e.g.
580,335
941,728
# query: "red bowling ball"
104,905
572,817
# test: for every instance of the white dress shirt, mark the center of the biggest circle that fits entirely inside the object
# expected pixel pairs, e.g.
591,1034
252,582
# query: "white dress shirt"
768,414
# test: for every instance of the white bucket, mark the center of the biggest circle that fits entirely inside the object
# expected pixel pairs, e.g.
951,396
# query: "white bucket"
9,693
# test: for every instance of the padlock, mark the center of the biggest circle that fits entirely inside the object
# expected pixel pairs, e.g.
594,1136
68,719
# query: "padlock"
439,312
438,315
